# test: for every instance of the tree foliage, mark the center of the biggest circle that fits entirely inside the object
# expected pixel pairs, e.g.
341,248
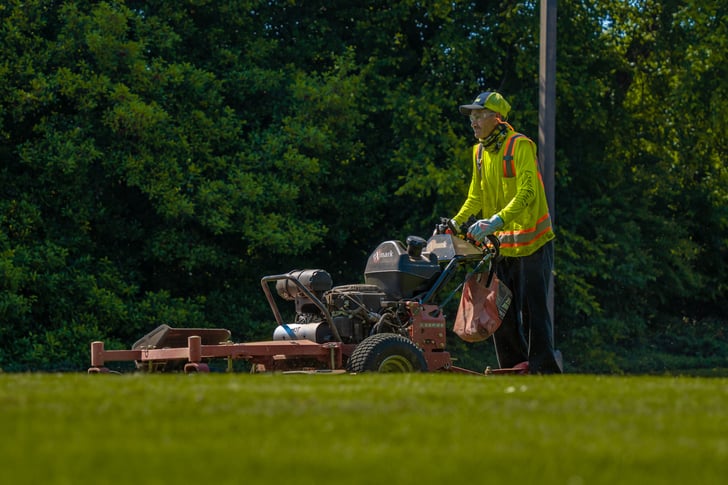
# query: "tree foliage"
159,157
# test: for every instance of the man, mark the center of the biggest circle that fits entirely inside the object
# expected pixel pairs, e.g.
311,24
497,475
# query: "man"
507,191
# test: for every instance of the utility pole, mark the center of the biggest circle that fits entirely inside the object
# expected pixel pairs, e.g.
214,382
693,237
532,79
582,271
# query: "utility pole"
547,110
547,99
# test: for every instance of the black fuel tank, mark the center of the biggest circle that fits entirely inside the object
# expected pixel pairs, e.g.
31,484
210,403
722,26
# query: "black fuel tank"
402,272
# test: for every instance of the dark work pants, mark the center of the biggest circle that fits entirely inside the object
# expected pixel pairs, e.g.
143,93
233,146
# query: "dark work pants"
527,332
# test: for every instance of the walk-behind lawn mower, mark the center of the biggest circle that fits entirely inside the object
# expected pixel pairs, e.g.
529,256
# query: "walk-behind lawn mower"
391,323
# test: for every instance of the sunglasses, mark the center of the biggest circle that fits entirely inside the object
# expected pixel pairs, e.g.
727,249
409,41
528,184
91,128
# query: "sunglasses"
481,116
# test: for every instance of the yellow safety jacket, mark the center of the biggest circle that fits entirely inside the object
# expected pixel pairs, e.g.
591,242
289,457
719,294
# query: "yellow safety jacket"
508,183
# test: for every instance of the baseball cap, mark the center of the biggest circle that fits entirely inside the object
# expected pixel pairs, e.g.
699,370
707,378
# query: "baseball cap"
490,100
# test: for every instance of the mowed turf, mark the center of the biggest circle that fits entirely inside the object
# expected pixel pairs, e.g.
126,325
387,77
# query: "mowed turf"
362,429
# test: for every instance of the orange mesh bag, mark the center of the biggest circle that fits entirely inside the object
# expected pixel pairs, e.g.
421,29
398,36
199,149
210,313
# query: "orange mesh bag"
482,307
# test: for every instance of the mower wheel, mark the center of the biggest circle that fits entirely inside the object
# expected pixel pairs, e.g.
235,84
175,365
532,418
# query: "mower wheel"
387,352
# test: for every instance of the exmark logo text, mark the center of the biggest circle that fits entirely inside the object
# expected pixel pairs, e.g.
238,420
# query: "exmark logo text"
382,255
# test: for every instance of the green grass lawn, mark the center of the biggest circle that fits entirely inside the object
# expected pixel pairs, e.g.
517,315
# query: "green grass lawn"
362,429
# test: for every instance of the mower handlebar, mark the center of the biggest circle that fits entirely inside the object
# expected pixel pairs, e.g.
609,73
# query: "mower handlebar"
447,226
496,244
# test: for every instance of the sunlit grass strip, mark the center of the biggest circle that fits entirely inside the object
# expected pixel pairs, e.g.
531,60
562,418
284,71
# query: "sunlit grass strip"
363,429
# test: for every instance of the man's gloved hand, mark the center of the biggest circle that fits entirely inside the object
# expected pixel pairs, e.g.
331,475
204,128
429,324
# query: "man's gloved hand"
485,227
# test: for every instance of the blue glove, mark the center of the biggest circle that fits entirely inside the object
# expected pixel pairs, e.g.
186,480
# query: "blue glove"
485,227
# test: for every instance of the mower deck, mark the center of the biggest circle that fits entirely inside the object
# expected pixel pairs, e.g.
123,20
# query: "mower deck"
288,356
191,357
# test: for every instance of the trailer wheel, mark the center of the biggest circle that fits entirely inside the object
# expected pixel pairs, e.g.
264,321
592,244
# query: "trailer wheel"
387,352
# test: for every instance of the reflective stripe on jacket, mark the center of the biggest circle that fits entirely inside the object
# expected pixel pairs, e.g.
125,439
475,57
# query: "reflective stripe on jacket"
509,183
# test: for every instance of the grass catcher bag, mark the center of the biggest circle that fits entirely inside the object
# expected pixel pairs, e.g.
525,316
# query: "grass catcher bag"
483,305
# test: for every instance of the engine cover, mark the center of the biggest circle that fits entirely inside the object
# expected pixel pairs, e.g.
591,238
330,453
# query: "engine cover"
399,273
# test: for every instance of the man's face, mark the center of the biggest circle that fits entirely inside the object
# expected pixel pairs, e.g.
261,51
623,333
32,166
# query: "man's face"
483,122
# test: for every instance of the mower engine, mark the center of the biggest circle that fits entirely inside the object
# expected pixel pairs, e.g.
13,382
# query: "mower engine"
394,274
